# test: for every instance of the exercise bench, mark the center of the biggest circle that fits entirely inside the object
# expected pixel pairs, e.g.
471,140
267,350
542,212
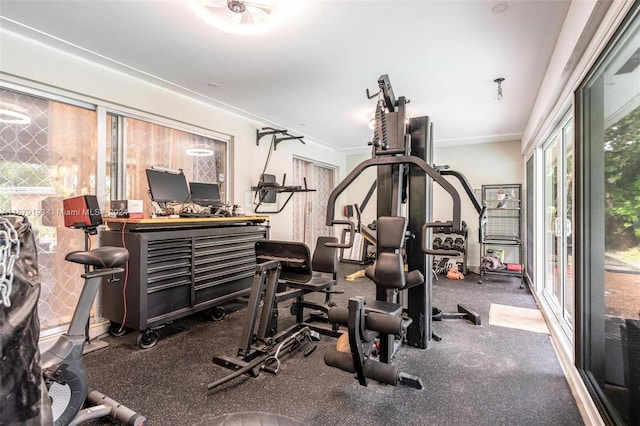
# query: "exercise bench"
284,271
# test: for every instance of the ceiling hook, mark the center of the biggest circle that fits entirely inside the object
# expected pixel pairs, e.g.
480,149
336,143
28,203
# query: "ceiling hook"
370,96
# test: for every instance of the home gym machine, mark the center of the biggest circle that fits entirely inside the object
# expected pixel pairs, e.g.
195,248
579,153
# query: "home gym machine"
402,152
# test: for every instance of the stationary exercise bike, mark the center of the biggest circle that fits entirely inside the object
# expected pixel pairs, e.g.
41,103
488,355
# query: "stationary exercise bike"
63,370
62,367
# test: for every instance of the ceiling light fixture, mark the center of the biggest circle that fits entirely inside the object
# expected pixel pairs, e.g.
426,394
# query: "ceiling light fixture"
13,114
239,17
499,81
199,151
500,7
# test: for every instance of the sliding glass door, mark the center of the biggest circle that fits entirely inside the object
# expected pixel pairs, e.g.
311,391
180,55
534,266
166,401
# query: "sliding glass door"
558,284
608,212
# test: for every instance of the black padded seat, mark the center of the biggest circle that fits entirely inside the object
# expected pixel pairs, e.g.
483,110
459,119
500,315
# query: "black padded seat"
314,284
100,258
341,315
379,306
301,273
324,268
389,272
410,279
298,268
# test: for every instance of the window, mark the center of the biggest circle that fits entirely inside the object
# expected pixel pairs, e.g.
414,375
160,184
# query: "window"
138,145
43,160
608,250
54,154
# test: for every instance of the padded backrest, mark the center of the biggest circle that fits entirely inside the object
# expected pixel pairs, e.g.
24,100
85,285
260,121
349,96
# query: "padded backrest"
325,259
389,271
294,258
391,232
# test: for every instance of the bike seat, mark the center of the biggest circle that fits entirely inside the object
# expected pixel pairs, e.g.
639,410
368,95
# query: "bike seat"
101,257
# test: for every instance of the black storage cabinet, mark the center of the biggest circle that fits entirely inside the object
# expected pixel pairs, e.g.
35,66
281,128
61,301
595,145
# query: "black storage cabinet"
175,272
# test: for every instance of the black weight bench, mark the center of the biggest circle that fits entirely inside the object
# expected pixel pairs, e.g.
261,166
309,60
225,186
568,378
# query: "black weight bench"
300,271
284,271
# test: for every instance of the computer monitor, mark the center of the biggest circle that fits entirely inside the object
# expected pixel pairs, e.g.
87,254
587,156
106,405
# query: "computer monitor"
205,194
167,187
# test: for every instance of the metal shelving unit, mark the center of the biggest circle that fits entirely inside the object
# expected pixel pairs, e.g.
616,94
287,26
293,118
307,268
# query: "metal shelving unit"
502,229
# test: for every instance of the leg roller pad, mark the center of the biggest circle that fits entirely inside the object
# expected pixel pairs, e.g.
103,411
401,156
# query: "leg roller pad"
380,372
340,360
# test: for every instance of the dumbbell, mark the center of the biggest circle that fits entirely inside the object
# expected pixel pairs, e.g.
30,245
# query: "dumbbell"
448,243
437,243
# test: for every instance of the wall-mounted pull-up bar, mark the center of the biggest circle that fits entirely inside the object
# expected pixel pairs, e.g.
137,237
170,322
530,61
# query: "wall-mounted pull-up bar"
277,136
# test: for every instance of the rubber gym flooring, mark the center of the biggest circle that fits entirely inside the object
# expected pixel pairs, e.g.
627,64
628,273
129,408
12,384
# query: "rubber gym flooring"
476,375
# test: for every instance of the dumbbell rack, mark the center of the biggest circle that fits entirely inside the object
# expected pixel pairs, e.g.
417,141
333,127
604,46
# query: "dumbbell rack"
446,238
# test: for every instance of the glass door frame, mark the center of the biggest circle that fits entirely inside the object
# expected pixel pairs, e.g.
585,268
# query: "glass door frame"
556,298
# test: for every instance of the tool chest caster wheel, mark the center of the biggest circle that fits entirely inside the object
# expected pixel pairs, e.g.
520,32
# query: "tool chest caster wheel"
148,338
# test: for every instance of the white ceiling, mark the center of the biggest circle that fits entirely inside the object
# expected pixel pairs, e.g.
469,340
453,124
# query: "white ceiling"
309,74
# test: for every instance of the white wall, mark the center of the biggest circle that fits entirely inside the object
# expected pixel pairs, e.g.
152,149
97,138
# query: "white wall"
43,67
481,164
